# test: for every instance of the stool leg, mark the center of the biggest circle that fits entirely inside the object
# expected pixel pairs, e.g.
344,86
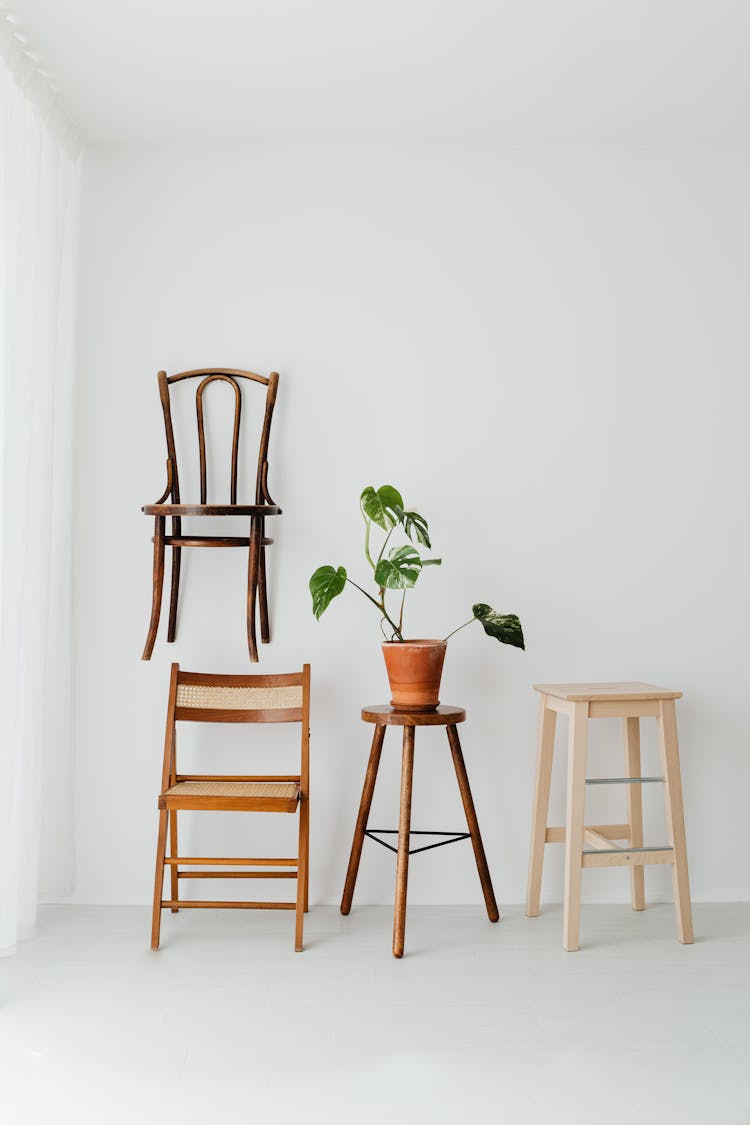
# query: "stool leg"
670,756
404,827
576,798
547,725
632,731
362,818
471,819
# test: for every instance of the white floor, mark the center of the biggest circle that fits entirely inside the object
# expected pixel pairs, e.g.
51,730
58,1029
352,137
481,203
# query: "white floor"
478,1023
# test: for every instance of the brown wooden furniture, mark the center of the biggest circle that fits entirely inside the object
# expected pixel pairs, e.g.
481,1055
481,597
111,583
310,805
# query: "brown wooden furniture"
262,507
595,846
385,716
233,699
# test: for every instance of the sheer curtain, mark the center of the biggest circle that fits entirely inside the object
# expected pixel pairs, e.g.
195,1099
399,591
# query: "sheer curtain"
38,196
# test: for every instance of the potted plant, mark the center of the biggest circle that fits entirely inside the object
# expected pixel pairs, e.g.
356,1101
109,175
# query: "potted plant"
414,666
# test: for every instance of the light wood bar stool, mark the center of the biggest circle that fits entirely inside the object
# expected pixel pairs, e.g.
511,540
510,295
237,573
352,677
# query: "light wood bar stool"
595,846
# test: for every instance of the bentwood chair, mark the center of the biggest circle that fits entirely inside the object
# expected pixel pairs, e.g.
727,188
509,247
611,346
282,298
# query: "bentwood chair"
233,699
256,513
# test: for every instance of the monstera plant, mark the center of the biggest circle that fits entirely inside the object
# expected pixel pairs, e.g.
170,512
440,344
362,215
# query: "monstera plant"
414,666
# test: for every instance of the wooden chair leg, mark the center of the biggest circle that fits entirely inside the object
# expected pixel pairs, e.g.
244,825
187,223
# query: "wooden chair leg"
304,852
404,828
632,732
174,597
173,879
158,582
161,851
252,587
265,629
576,799
362,818
670,756
302,866
547,726
471,819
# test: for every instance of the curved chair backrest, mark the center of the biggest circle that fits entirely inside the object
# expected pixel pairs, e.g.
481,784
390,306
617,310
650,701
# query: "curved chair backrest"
224,375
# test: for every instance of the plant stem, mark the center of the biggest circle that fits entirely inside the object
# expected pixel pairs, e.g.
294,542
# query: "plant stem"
385,544
367,546
401,614
380,606
469,622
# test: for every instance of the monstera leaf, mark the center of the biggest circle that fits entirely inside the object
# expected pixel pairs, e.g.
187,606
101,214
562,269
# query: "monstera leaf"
400,570
325,585
504,627
382,505
415,527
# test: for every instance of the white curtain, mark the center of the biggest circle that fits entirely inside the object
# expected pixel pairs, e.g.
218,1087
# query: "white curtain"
38,199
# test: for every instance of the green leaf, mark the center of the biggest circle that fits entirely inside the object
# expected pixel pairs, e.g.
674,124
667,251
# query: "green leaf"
382,506
504,627
325,585
415,527
400,570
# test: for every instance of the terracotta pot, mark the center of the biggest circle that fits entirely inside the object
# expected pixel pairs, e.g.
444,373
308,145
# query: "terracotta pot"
414,670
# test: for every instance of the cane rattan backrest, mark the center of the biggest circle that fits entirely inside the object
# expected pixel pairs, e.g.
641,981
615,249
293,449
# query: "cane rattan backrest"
232,377
241,699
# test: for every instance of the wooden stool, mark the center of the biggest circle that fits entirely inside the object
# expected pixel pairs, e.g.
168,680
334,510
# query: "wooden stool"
385,716
581,702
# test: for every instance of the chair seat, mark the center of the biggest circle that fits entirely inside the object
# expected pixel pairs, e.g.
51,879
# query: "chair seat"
211,509
271,796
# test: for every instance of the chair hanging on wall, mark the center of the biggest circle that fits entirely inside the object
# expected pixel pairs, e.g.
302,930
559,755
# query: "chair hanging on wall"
194,697
170,505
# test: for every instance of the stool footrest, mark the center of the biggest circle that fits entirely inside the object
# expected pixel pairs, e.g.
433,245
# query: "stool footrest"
556,834
627,857
454,838
621,780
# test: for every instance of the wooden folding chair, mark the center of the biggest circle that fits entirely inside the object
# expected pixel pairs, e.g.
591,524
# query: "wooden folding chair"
233,699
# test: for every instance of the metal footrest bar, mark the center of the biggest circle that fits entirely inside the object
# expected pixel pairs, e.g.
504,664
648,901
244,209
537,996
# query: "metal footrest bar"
621,780
455,837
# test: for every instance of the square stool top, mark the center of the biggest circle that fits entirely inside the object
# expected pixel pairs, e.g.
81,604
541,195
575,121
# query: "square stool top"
600,693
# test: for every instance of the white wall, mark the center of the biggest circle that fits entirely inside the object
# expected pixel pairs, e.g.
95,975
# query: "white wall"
547,351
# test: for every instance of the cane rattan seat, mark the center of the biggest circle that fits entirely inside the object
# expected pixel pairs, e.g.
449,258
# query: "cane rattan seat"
283,790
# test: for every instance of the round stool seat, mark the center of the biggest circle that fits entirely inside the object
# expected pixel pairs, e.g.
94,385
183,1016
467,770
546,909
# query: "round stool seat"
385,715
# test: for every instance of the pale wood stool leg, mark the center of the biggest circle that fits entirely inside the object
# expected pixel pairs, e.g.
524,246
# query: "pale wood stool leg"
576,799
302,862
173,878
547,725
471,819
161,851
670,756
362,818
404,827
632,732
